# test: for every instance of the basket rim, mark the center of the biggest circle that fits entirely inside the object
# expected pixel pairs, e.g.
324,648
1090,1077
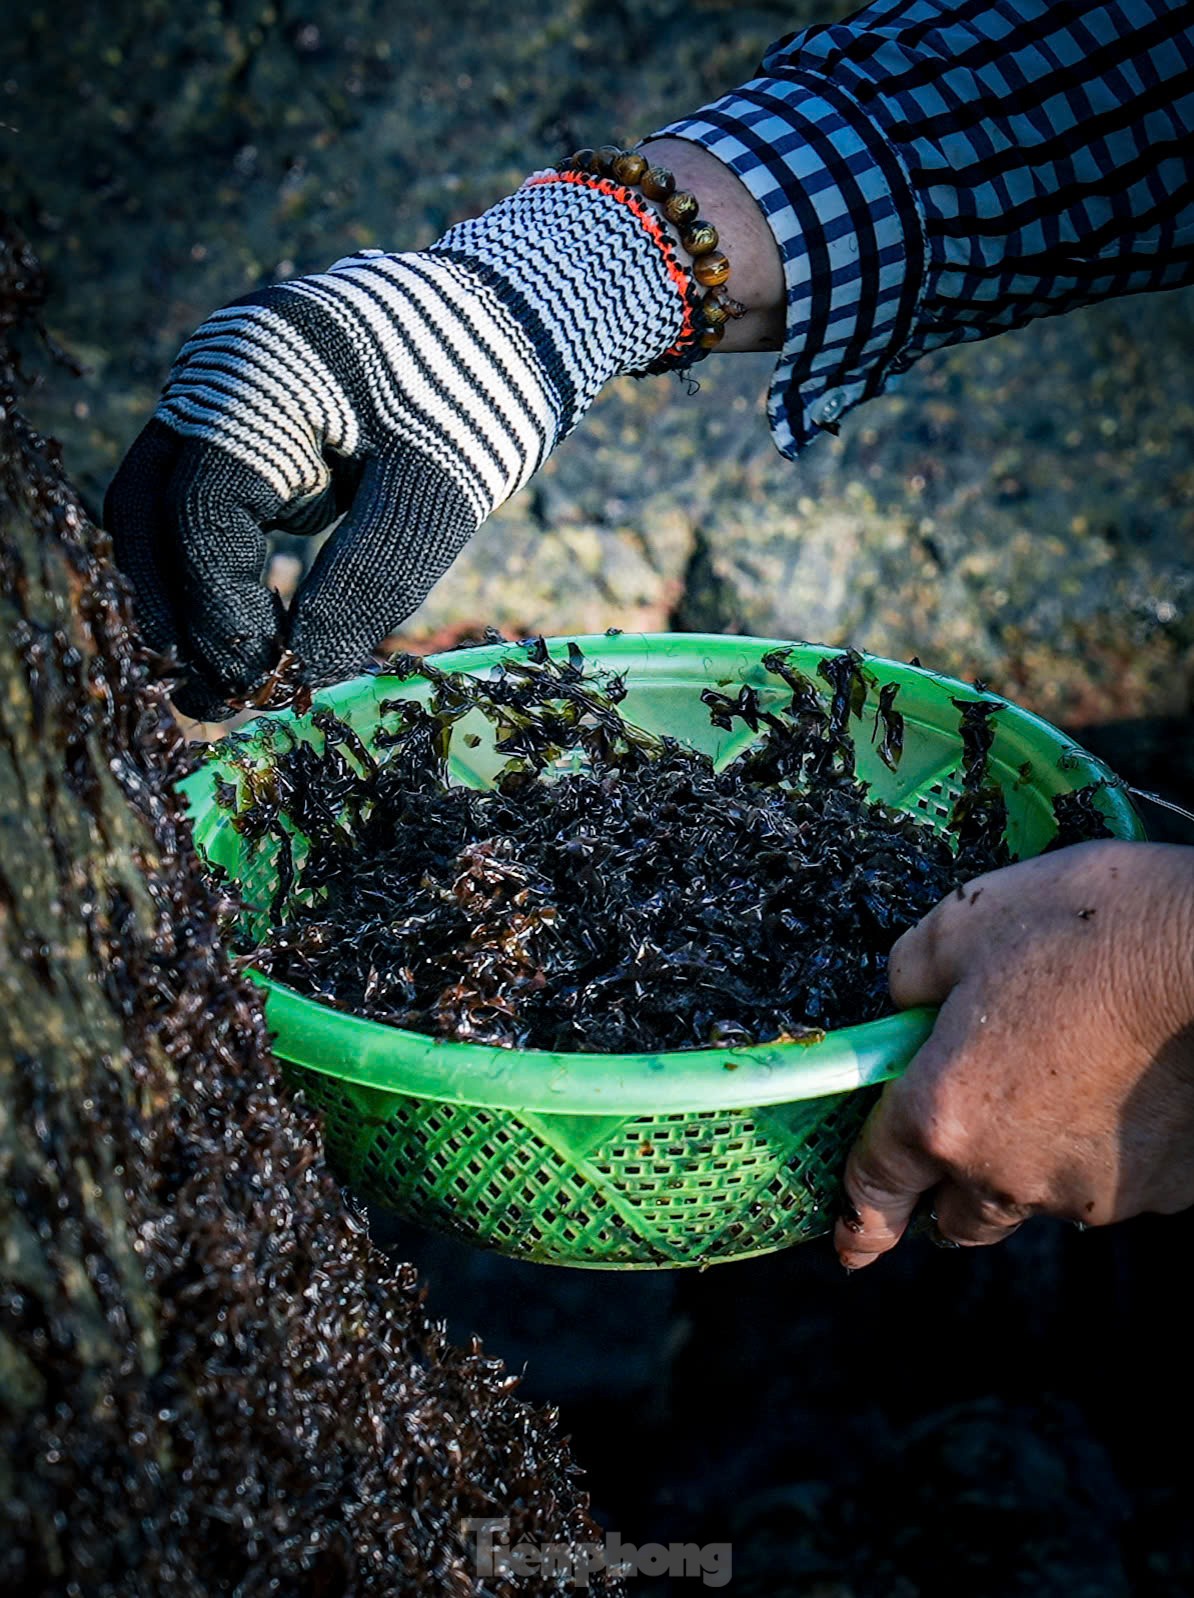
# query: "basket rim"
411,1064
375,1055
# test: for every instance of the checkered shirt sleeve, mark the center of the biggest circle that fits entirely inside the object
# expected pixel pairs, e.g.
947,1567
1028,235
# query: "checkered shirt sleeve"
938,171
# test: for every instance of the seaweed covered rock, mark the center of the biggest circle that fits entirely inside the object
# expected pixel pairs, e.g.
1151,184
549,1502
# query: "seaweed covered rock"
208,1381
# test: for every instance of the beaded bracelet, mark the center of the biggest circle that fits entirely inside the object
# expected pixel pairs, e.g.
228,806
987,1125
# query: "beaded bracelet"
706,314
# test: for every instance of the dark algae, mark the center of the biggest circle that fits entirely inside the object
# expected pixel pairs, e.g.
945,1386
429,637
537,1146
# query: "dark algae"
1079,817
891,746
980,815
210,1383
612,891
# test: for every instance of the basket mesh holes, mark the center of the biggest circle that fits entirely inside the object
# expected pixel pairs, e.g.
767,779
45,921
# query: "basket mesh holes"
938,800
742,1181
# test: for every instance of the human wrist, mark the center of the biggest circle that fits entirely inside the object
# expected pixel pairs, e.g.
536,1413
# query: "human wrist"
587,277
758,281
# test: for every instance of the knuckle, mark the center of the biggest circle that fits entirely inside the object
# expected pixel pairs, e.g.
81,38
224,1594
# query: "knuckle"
945,1137
1000,1209
870,1190
971,1215
869,1184
943,1117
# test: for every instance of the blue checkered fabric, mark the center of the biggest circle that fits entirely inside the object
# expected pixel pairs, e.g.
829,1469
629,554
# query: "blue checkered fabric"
939,171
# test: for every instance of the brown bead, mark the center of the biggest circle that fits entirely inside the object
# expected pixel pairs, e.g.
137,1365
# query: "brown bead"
700,238
630,166
711,270
658,183
682,208
580,160
718,308
711,337
714,310
604,158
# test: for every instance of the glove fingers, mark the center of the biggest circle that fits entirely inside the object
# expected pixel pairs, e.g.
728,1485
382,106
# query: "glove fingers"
136,516
409,522
233,623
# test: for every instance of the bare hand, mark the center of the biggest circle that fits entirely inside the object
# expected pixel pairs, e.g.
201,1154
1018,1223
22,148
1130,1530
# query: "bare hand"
1059,1077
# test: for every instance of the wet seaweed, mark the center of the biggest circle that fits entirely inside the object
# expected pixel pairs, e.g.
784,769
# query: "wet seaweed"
210,1382
979,816
1078,816
613,891
891,746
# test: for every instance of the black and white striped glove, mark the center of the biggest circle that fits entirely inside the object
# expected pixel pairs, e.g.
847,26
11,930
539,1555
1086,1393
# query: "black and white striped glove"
414,392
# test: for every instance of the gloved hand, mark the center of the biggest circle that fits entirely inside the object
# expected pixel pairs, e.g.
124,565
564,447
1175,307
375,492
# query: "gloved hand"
414,392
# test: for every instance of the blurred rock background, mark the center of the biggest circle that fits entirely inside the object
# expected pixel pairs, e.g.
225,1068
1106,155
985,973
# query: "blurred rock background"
1021,510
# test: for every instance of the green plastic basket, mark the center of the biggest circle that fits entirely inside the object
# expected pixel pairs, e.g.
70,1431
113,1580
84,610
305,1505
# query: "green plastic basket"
635,1160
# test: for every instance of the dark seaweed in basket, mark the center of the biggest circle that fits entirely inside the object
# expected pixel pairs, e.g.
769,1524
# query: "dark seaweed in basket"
643,902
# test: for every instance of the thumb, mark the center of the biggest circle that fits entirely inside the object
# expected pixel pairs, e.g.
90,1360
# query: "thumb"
924,964
888,1169
408,522
886,1174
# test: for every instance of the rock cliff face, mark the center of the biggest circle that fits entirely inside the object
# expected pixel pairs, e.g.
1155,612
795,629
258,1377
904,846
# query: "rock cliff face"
209,1381
1021,509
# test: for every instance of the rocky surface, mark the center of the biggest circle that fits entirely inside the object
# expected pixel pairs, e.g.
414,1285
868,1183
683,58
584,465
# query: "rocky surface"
1021,509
